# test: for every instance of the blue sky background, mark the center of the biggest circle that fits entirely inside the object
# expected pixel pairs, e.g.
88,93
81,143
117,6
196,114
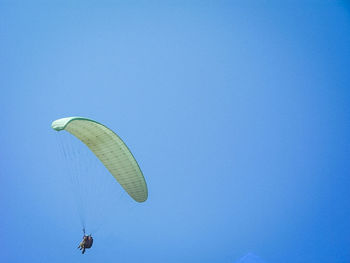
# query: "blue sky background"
238,115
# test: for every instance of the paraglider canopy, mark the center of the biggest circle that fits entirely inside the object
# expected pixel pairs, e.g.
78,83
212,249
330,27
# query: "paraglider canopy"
110,150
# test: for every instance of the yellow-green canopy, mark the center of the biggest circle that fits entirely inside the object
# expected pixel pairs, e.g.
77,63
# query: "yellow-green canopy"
110,150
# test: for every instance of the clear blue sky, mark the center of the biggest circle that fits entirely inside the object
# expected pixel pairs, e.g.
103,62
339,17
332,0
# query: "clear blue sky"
238,115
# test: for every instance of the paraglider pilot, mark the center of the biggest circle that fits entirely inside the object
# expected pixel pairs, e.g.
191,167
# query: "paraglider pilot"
85,243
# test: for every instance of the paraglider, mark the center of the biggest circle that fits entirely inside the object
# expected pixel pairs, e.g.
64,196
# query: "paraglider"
86,242
109,148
